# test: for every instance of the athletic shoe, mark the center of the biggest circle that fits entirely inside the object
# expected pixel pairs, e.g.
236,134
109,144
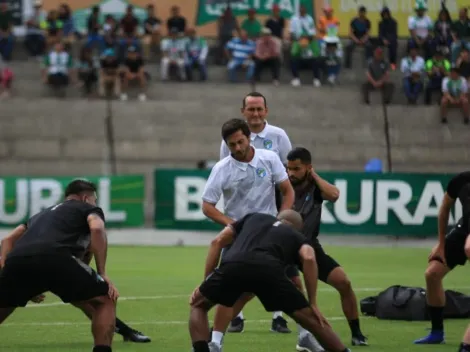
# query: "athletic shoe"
280,325
236,325
308,343
135,336
359,340
213,347
434,338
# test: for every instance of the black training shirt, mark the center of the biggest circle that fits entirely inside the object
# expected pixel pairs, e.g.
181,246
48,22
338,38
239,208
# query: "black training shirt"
308,202
62,228
456,184
263,236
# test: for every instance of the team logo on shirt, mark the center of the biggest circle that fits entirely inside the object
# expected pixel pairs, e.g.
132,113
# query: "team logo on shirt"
261,172
268,144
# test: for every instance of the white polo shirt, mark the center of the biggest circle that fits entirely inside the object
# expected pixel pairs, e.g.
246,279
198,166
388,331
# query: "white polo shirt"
271,138
246,187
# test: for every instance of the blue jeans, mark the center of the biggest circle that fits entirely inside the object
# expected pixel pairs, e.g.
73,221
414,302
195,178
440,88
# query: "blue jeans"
192,62
333,70
94,40
6,46
412,88
456,47
234,64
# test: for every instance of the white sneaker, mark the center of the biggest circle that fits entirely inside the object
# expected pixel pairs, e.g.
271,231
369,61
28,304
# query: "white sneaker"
295,82
308,343
124,97
332,79
213,347
316,83
142,97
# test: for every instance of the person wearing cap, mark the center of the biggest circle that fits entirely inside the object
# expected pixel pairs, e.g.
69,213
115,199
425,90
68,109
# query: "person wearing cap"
413,69
455,90
109,73
173,51
302,24
133,70
240,52
328,24
267,54
331,54
388,35
460,34
359,30
437,68
196,55
420,27
378,77
35,42
251,25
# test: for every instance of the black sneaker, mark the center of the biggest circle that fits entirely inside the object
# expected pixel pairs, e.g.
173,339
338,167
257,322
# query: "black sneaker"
236,325
135,336
280,325
359,340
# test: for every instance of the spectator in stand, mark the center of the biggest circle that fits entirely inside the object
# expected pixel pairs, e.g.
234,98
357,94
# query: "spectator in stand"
240,52
173,51
129,27
460,34
328,25
94,28
302,25
87,71
110,27
152,26
305,55
276,24
58,68
437,68
134,70
267,55
7,39
413,69
443,32
455,90
35,42
6,80
251,25
331,55
359,30
196,55
378,77
68,25
227,24
109,42
463,64
388,35
53,28
420,27
176,21
109,73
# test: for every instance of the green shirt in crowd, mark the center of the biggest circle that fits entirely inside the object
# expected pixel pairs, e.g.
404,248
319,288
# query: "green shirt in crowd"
461,29
431,63
252,28
312,50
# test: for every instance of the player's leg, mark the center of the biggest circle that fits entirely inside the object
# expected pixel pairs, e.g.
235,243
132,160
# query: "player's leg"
465,345
236,324
199,322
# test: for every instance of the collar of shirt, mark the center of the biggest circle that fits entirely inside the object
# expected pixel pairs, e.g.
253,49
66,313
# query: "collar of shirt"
262,134
243,166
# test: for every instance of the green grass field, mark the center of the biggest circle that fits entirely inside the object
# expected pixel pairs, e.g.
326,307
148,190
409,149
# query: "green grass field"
155,284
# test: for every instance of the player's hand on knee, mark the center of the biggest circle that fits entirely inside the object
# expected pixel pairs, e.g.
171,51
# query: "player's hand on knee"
194,296
38,299
438,252
113,292
319,317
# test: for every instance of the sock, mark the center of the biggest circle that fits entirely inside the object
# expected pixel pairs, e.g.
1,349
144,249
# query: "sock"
277,315
302,331
437,318
101,348
355,327
217,337
121,327
240,315
201,346
464,347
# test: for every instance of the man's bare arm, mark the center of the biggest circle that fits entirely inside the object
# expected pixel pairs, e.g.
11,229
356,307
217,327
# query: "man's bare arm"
328,191
99,242
214,214
288,195
310,271
223,239
9,241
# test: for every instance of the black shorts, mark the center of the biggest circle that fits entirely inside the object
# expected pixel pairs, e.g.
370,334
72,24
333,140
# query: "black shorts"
23,278
455,246
267,281
325,263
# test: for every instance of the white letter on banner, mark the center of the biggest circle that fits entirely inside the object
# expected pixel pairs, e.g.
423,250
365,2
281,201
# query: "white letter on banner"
397,205
432,191
21,203
365,203
104,199
44,193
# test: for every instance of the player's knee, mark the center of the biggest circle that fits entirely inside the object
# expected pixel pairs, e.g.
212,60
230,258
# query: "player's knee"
432,275
467,250
344,285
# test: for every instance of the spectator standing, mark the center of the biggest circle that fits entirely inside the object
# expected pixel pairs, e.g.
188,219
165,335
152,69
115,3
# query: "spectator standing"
443,32
276,24
87,70
420,27
378,77
305,55
109,42
460,34
68,24
110,27
331,54
129,27
413,68
227,24
359,30
6,80
388,35
134,70
109,73
94,38
437,68
176,21
173,51
57,69
463,64
267,55
455,90
152,26
328,24
7,39
302,25
240,52
35,42
251,25
196,55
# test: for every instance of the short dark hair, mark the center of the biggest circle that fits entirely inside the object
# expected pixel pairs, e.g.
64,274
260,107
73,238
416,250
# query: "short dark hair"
455,69
77,187
301,154
254,95
235,125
